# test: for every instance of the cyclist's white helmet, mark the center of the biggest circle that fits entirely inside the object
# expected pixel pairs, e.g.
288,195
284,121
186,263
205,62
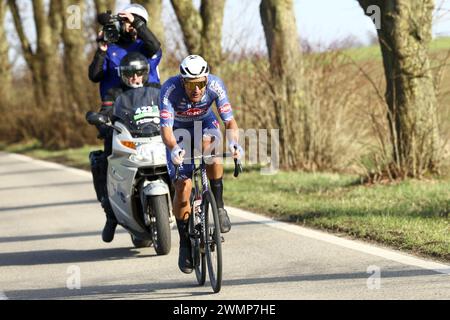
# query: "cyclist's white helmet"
138,10
194,66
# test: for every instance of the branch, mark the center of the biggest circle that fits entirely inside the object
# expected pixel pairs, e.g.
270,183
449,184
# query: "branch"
25,44
57,18
103,5
191,24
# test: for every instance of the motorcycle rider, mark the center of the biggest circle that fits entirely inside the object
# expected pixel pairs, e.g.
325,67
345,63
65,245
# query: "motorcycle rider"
135,89
134,37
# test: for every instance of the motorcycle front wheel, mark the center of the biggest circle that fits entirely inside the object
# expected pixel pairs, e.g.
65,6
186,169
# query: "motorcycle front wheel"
160,226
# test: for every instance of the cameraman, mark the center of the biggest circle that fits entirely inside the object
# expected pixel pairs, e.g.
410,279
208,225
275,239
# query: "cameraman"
134,36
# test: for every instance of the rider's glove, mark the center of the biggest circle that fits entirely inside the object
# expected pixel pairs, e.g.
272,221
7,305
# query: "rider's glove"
177,155
236,150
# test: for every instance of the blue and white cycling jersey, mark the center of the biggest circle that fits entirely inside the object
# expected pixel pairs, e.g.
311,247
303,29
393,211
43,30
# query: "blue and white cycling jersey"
176,110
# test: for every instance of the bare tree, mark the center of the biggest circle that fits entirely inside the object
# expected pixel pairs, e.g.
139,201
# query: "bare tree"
211,41
44,61
5,67
154,9
103,5
202,30
286,68
404,35
74,52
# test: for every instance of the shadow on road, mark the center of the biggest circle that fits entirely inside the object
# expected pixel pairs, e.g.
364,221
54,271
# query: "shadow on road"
249,223
331,276
142,291
31,258
22,172
11,163
50,185
108,292
47,205
54,236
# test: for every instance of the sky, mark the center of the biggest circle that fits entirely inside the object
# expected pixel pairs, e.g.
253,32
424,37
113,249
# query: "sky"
319,22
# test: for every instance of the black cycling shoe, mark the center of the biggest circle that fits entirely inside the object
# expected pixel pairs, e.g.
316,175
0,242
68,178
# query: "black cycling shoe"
185,260
109,230
185,257
225,223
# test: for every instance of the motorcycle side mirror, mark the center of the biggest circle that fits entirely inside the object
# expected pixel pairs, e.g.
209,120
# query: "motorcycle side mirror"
96,118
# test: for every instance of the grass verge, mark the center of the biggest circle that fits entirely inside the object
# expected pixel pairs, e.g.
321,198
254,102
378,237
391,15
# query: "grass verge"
410,215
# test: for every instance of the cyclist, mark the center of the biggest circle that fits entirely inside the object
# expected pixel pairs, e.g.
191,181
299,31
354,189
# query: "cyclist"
185,101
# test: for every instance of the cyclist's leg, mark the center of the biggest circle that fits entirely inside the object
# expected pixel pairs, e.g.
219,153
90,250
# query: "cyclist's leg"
181,211
212,143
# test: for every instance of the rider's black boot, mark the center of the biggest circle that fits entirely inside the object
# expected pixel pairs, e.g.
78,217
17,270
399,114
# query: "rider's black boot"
111,223
185,257
224,220
217,190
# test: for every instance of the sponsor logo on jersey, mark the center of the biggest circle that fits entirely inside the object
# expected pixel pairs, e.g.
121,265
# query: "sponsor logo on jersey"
218,89
167,94
226,108
192,112
164,114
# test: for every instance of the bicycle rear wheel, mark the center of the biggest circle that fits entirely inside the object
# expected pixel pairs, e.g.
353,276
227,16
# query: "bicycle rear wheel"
213,241
198,254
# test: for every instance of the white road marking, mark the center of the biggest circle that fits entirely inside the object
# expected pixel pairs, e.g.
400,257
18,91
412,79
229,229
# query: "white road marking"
389,254
346,243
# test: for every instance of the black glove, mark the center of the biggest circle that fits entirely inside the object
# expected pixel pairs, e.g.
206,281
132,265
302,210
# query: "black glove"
138,21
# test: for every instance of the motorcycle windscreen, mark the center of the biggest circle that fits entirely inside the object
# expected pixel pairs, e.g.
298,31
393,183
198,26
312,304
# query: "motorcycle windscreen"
138,111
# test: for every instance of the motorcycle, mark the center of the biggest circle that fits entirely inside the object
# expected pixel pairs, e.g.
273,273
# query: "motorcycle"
138,182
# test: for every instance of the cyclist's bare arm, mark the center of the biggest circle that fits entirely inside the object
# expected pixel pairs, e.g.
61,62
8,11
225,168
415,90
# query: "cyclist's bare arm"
168,137
232,130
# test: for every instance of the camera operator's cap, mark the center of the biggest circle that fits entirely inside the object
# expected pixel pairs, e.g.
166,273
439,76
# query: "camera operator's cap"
138,10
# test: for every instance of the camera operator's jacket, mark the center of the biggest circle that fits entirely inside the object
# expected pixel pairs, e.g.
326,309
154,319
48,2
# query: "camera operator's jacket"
104,67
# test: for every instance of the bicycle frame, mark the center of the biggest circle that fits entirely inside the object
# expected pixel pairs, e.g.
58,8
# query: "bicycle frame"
203,240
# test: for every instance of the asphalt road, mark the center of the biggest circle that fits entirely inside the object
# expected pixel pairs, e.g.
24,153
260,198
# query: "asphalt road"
51,248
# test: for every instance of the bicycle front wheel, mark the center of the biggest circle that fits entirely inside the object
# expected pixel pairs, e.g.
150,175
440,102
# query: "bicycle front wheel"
198,254
213,241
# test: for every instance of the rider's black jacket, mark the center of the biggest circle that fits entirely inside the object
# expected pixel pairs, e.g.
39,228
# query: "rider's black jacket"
126,98
114,93
151,47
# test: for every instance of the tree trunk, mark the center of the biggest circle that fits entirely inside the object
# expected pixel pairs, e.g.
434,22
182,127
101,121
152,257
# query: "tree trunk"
191,24
280,30
154,9
211,41
74,55
202,30
44,62
104,5
5,67
27,51
47,52
404,37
